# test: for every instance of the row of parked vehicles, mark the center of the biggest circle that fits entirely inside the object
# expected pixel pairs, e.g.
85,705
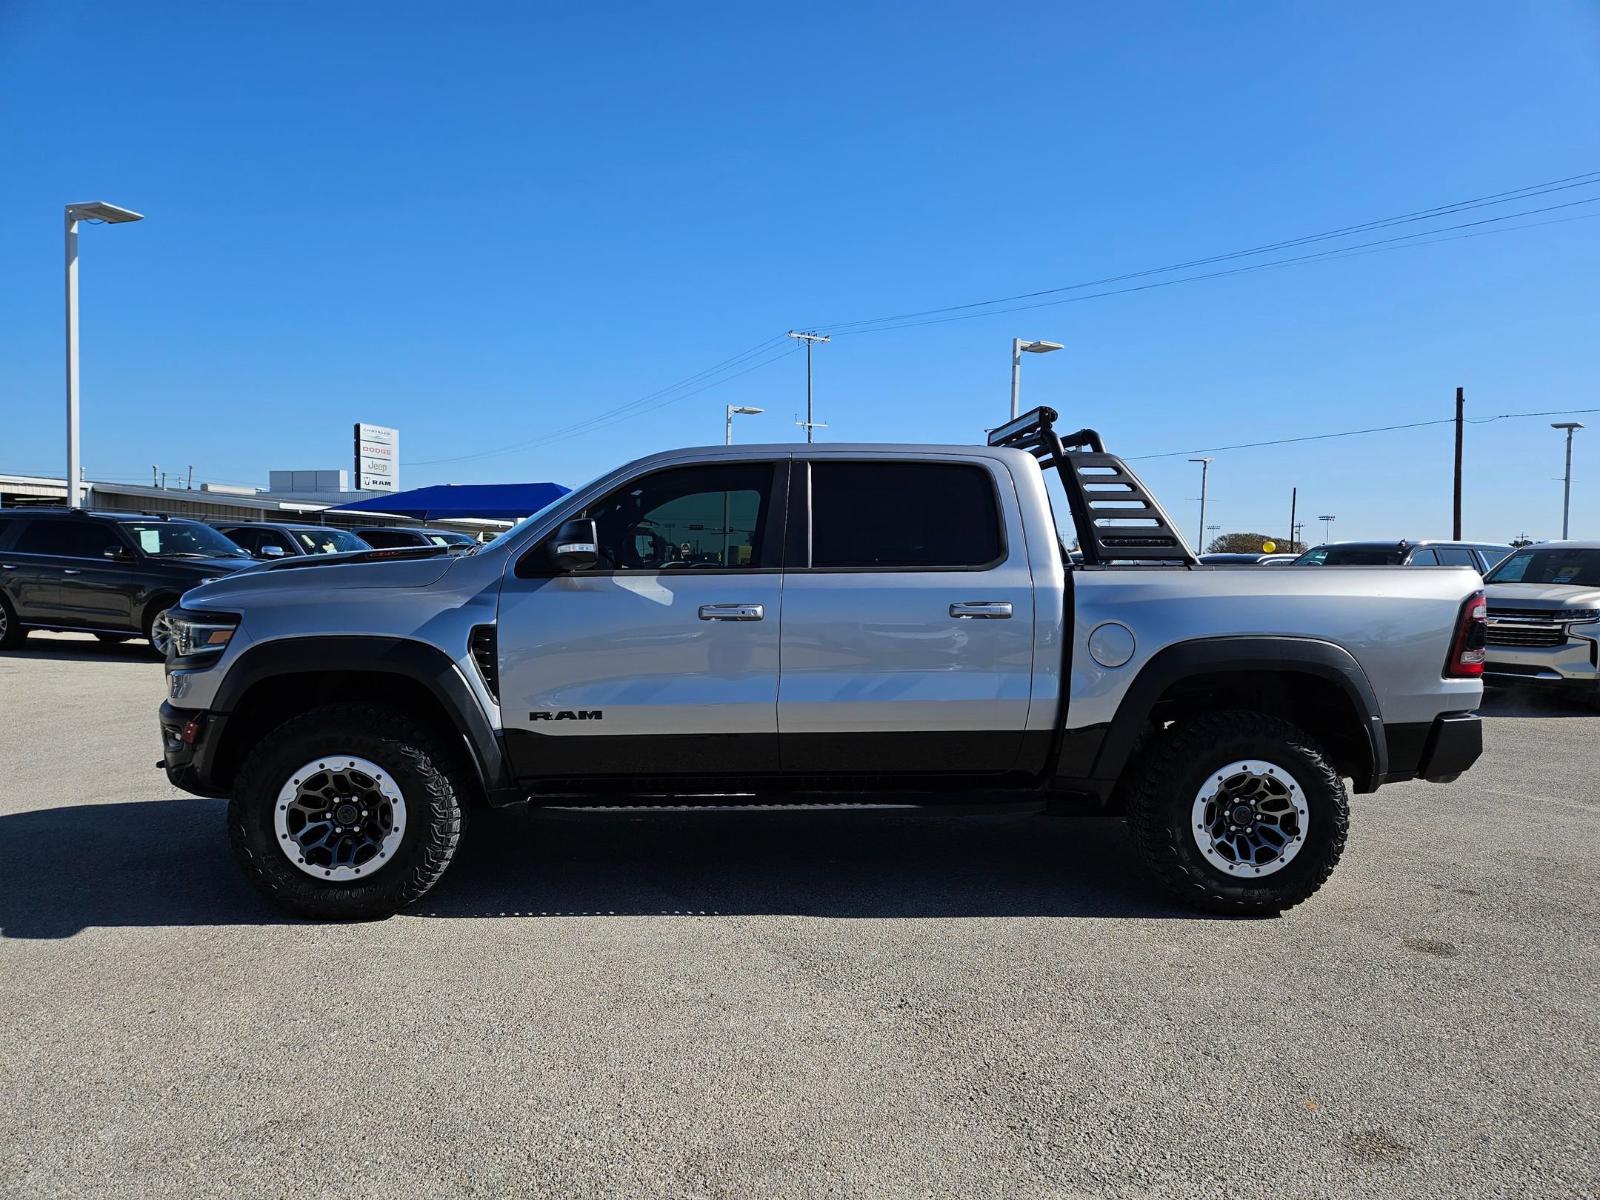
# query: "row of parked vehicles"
116,575
1480,556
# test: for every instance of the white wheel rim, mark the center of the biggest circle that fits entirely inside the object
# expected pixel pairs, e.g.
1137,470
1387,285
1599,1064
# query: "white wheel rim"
1250,818
339,818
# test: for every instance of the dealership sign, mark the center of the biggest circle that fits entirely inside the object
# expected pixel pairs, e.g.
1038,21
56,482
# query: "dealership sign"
377,458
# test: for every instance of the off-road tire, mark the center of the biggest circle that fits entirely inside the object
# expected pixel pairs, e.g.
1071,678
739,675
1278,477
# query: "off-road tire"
1170,772
432,778
12,635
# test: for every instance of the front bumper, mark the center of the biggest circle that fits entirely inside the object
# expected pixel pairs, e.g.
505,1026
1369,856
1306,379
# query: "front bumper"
1438,751
1575,661
189,742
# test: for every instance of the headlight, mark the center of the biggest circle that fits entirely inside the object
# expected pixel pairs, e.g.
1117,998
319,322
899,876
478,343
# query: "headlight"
195,634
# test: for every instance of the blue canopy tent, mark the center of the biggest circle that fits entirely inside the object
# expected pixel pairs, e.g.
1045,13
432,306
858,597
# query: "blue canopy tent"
462,501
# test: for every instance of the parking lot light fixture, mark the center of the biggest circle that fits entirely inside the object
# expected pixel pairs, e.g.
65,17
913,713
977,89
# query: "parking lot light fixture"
1571,427
96,212
1327,520
741,410
1018,349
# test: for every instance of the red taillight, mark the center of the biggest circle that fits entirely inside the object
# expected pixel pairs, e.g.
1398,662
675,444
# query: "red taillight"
1468,647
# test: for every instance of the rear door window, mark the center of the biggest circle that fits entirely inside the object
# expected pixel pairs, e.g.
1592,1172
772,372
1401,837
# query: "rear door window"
46,537
1456,556
905,515
1424,557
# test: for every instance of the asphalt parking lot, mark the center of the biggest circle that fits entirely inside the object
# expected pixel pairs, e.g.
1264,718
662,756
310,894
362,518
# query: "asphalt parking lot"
787,1003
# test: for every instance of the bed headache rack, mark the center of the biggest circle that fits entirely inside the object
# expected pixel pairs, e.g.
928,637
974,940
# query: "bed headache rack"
1116,518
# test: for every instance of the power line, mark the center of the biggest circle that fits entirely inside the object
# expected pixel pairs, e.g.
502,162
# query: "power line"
1322,437
1523,193
633,406
1341,252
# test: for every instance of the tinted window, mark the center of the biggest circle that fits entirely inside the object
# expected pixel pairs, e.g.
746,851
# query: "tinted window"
244,536
881,514
1357,556
1456,556
1424,557
329,541
1576,568
46,537
388,539
706,517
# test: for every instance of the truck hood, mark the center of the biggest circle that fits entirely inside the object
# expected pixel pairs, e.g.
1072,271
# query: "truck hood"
1541,595
324,573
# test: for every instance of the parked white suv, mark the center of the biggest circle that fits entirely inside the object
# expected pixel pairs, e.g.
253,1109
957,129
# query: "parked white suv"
1544,618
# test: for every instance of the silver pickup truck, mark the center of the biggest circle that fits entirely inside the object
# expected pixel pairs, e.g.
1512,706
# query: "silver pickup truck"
784,621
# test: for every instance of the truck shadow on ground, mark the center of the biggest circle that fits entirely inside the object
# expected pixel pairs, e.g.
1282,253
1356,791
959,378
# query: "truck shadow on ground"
167,862
1532,702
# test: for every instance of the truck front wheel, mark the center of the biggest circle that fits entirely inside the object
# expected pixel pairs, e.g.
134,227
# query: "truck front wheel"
346,812
1238,812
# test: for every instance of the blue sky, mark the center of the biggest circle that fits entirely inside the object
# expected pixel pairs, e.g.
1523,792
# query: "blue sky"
485,223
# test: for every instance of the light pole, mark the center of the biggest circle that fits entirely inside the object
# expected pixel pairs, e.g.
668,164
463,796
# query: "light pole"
1018,349
743,411
98,212
1566,480
1205,472
1327,520
1213,530
727,440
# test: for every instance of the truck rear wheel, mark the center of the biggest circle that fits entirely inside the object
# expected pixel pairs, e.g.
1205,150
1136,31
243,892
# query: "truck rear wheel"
347,812
1238,812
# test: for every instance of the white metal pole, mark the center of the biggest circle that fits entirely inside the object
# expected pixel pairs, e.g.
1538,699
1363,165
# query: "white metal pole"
1566,488
1016,375
727,429
73,469
1205,472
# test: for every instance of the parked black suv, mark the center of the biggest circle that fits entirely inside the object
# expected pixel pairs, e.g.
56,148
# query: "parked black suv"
110,574
277,539
394,537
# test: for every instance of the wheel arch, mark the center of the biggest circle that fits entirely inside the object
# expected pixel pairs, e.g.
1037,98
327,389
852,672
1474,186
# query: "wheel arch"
1316,684
273,681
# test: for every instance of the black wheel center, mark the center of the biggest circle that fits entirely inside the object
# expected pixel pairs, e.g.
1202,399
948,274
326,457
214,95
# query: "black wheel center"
346,813
1242,814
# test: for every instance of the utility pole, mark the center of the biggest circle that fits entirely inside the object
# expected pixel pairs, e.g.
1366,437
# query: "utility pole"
1461,404
1566,480
1205,471
810,338
1294,499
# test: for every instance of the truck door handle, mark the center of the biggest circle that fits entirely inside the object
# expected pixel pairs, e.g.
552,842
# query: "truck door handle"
732,612
982,610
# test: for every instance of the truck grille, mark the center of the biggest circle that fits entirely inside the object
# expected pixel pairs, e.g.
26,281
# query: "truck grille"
1533,626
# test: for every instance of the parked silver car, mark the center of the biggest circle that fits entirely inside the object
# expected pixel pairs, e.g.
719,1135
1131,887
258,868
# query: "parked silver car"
1544,618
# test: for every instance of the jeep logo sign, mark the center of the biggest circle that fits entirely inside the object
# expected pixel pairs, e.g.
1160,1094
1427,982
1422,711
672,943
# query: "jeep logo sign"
567,714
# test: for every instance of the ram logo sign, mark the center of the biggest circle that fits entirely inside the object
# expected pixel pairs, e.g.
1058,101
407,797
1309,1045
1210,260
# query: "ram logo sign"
568,714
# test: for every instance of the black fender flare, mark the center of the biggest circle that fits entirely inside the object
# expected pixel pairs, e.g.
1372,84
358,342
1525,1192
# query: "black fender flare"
416,661
1252,654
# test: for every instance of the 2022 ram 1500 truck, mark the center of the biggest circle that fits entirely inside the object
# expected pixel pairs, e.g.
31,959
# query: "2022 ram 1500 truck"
787,620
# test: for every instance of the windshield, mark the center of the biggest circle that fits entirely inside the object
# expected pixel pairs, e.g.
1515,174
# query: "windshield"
181,539
1572,568
1352,556
329,541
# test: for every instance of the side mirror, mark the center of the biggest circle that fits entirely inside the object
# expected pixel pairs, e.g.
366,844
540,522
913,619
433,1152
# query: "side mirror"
118,553
272,552
576,546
